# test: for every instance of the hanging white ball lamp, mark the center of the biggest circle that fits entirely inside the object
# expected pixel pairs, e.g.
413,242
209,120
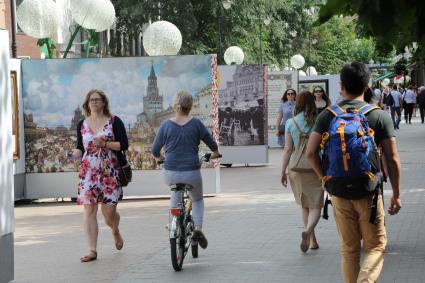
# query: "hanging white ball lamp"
94,14
234,54
297,61
37,18
162,38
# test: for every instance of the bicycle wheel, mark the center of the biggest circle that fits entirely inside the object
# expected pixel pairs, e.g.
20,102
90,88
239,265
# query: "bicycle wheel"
195,250
177,249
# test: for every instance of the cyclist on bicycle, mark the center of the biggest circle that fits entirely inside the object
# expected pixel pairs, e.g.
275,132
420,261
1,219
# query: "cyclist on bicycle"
180,137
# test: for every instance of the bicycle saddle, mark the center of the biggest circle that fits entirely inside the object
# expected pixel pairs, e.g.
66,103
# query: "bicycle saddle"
181,187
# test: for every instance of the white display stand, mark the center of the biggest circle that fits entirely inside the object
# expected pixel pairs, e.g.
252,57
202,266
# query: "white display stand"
278,82
7,225
145,184
253,154
19,164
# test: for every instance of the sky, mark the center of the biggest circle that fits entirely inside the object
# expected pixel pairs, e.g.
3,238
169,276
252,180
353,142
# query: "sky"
52,89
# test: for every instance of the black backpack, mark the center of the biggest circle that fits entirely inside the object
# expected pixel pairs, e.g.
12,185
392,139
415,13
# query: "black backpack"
389,99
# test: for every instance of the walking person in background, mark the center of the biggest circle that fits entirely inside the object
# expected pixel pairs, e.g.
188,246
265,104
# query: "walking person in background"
321,99
359,214
395,107
285,112
409,101
304,182
180,137
421,102
385,98
377,94
99,137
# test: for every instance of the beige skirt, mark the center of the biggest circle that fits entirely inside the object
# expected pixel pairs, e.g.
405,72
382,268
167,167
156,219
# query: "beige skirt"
307,189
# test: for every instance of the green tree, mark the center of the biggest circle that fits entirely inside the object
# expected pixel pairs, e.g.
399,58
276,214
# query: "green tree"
243,25
392,23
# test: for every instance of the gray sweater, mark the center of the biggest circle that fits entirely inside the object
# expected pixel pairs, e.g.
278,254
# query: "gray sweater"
181,144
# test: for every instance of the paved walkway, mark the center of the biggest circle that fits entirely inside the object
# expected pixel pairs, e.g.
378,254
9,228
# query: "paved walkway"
253,228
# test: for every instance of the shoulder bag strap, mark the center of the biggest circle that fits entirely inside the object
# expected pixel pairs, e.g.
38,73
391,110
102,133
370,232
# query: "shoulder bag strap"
299,129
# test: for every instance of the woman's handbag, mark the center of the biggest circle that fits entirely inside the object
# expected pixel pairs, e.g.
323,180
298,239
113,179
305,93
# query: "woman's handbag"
298,162
124,170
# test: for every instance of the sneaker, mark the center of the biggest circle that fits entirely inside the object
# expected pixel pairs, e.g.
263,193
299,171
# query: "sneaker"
200,237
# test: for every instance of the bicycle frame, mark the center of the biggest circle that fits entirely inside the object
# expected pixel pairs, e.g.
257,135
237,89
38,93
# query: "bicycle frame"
181,214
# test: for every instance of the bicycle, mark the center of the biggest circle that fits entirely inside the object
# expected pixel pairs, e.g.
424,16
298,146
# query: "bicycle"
181,224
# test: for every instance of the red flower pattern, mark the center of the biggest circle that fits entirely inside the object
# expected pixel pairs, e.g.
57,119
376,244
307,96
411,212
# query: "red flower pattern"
98,169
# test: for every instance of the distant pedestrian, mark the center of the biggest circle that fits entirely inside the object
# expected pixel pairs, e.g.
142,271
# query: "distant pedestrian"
304,182
285,112
321,98
353,179
421,102
377,94
395,107
386,100
409,101
100,138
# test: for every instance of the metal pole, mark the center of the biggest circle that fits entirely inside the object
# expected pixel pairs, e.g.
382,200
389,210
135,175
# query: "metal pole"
219,32
13,15
261,48
309,47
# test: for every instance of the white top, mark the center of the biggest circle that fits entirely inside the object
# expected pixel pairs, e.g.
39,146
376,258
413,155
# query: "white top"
410,96
397,96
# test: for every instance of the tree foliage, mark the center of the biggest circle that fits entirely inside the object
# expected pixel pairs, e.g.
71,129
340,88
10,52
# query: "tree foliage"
243,25
392,23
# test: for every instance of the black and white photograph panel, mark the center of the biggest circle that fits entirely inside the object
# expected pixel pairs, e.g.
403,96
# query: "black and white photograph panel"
241,104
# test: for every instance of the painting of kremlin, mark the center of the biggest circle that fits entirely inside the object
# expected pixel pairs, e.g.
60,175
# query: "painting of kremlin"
140,92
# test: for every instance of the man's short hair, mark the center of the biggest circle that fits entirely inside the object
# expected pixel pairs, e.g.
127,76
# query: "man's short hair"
355,78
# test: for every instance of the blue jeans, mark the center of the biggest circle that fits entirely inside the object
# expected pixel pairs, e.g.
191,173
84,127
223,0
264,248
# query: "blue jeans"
396,110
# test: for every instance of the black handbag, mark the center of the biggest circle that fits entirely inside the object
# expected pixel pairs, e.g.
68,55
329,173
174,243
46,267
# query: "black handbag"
124,170
281,130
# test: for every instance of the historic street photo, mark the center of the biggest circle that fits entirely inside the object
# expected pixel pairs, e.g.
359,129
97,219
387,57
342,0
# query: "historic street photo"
242,108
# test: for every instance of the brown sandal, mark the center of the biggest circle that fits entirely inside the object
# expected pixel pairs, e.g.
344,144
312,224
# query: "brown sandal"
90,257
119,242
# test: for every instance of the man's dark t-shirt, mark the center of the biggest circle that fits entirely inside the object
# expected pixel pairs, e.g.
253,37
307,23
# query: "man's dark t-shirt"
379,120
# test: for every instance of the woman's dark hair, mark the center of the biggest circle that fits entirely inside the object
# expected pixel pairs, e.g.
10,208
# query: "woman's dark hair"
368,94
355,78
324,95
285,94
306,102
105,100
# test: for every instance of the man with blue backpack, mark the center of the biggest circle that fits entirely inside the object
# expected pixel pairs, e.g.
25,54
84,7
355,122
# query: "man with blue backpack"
345,151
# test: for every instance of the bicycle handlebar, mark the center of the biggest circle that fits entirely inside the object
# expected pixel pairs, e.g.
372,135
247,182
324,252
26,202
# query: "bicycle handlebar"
206,157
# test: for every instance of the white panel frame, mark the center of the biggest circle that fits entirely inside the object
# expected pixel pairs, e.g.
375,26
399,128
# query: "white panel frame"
6,142
145,184
252,154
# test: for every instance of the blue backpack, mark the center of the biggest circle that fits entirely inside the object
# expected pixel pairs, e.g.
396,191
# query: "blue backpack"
350,157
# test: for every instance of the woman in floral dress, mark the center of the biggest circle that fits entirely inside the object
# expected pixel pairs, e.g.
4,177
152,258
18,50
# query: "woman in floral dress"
100,138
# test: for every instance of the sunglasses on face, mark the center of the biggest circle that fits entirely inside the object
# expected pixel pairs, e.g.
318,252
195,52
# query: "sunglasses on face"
96,100
290,93
318,91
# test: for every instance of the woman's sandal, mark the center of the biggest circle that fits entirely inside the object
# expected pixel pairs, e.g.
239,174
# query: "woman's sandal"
119,242
316,247
90,257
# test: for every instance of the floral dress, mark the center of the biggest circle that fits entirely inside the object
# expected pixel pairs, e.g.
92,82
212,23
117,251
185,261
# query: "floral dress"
99,169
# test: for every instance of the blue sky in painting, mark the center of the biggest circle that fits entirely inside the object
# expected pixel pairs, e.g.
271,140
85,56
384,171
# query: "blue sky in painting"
52,89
